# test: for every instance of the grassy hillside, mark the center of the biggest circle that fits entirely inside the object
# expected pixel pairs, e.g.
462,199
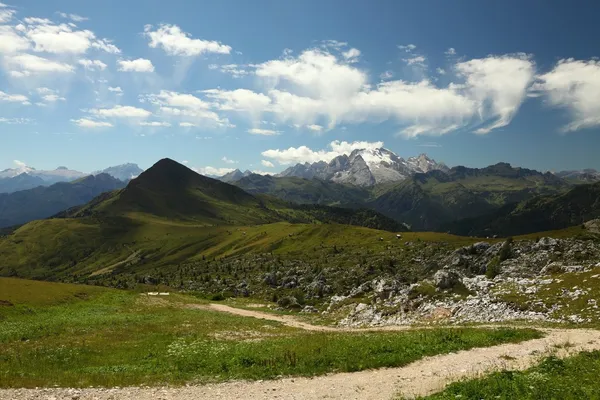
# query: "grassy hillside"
119,338
428,201
168,215
542,213
304,191
42,202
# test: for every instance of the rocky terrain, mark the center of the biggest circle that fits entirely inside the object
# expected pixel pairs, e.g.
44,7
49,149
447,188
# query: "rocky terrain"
555,280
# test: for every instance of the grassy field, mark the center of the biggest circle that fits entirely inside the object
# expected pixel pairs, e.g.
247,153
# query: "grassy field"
81,336
573,378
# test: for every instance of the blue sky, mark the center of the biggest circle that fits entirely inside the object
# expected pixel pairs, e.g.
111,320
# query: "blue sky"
265,84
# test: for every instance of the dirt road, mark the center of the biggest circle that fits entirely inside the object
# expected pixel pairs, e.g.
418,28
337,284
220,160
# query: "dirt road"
422,377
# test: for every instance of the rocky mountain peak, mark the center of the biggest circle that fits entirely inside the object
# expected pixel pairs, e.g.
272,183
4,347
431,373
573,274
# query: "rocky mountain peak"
365,167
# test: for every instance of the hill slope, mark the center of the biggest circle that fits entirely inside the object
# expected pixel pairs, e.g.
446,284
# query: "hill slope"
543,213
42,202
304,191
168,214
427,201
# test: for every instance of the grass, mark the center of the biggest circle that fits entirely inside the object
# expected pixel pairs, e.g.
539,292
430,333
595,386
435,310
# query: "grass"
55,248
118,338
573,378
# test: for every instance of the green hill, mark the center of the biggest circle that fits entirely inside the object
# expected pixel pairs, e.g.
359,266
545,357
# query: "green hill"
543,213
304,191
168,215
428,201
42,202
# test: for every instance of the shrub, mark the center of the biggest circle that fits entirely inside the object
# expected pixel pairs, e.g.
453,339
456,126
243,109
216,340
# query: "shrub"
506,250
493,268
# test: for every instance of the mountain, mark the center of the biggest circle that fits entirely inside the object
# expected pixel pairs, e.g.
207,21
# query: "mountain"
42,202
46,178
171,190
169,215
23,181
304,191
235,175
542,213
581,176
124,172
428,201
365,167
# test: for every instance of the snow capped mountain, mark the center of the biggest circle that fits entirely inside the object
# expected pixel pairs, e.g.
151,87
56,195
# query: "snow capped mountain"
365,167
60,174
123,172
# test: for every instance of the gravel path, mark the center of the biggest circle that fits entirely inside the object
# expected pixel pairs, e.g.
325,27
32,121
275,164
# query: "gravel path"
422,377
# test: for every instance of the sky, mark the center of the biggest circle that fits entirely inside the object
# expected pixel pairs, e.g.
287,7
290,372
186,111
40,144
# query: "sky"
265,84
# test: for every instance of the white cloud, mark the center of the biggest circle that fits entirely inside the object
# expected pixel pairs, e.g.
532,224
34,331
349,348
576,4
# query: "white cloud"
175,99
450,52
92,65
314,73
106,45
15,121
14,98
320,88
440,71
120,112
575,86
351,55
498,84
187,125
27,64
314,128
408,48
73,17
235,70
155,124
263,132
175,42
267,164
213,171
139,65
243,100
302,154
386,75
417,60
51,98
11,41
52,38
6,14
115,89
228,161
88,123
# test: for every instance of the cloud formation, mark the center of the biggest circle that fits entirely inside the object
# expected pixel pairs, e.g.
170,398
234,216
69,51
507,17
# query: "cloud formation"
302,154
575,86
175,42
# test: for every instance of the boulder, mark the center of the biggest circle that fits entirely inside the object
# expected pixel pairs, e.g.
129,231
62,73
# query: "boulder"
445,279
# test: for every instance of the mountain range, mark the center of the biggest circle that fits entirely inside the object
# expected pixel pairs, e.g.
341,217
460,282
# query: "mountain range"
365,167
169,215
44,201
24,177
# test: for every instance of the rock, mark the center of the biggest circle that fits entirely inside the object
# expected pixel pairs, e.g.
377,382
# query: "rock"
309,310
480,247
545,243
445,279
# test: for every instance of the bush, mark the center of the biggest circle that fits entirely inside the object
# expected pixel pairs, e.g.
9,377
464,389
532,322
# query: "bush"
506,250
493,268
288,302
